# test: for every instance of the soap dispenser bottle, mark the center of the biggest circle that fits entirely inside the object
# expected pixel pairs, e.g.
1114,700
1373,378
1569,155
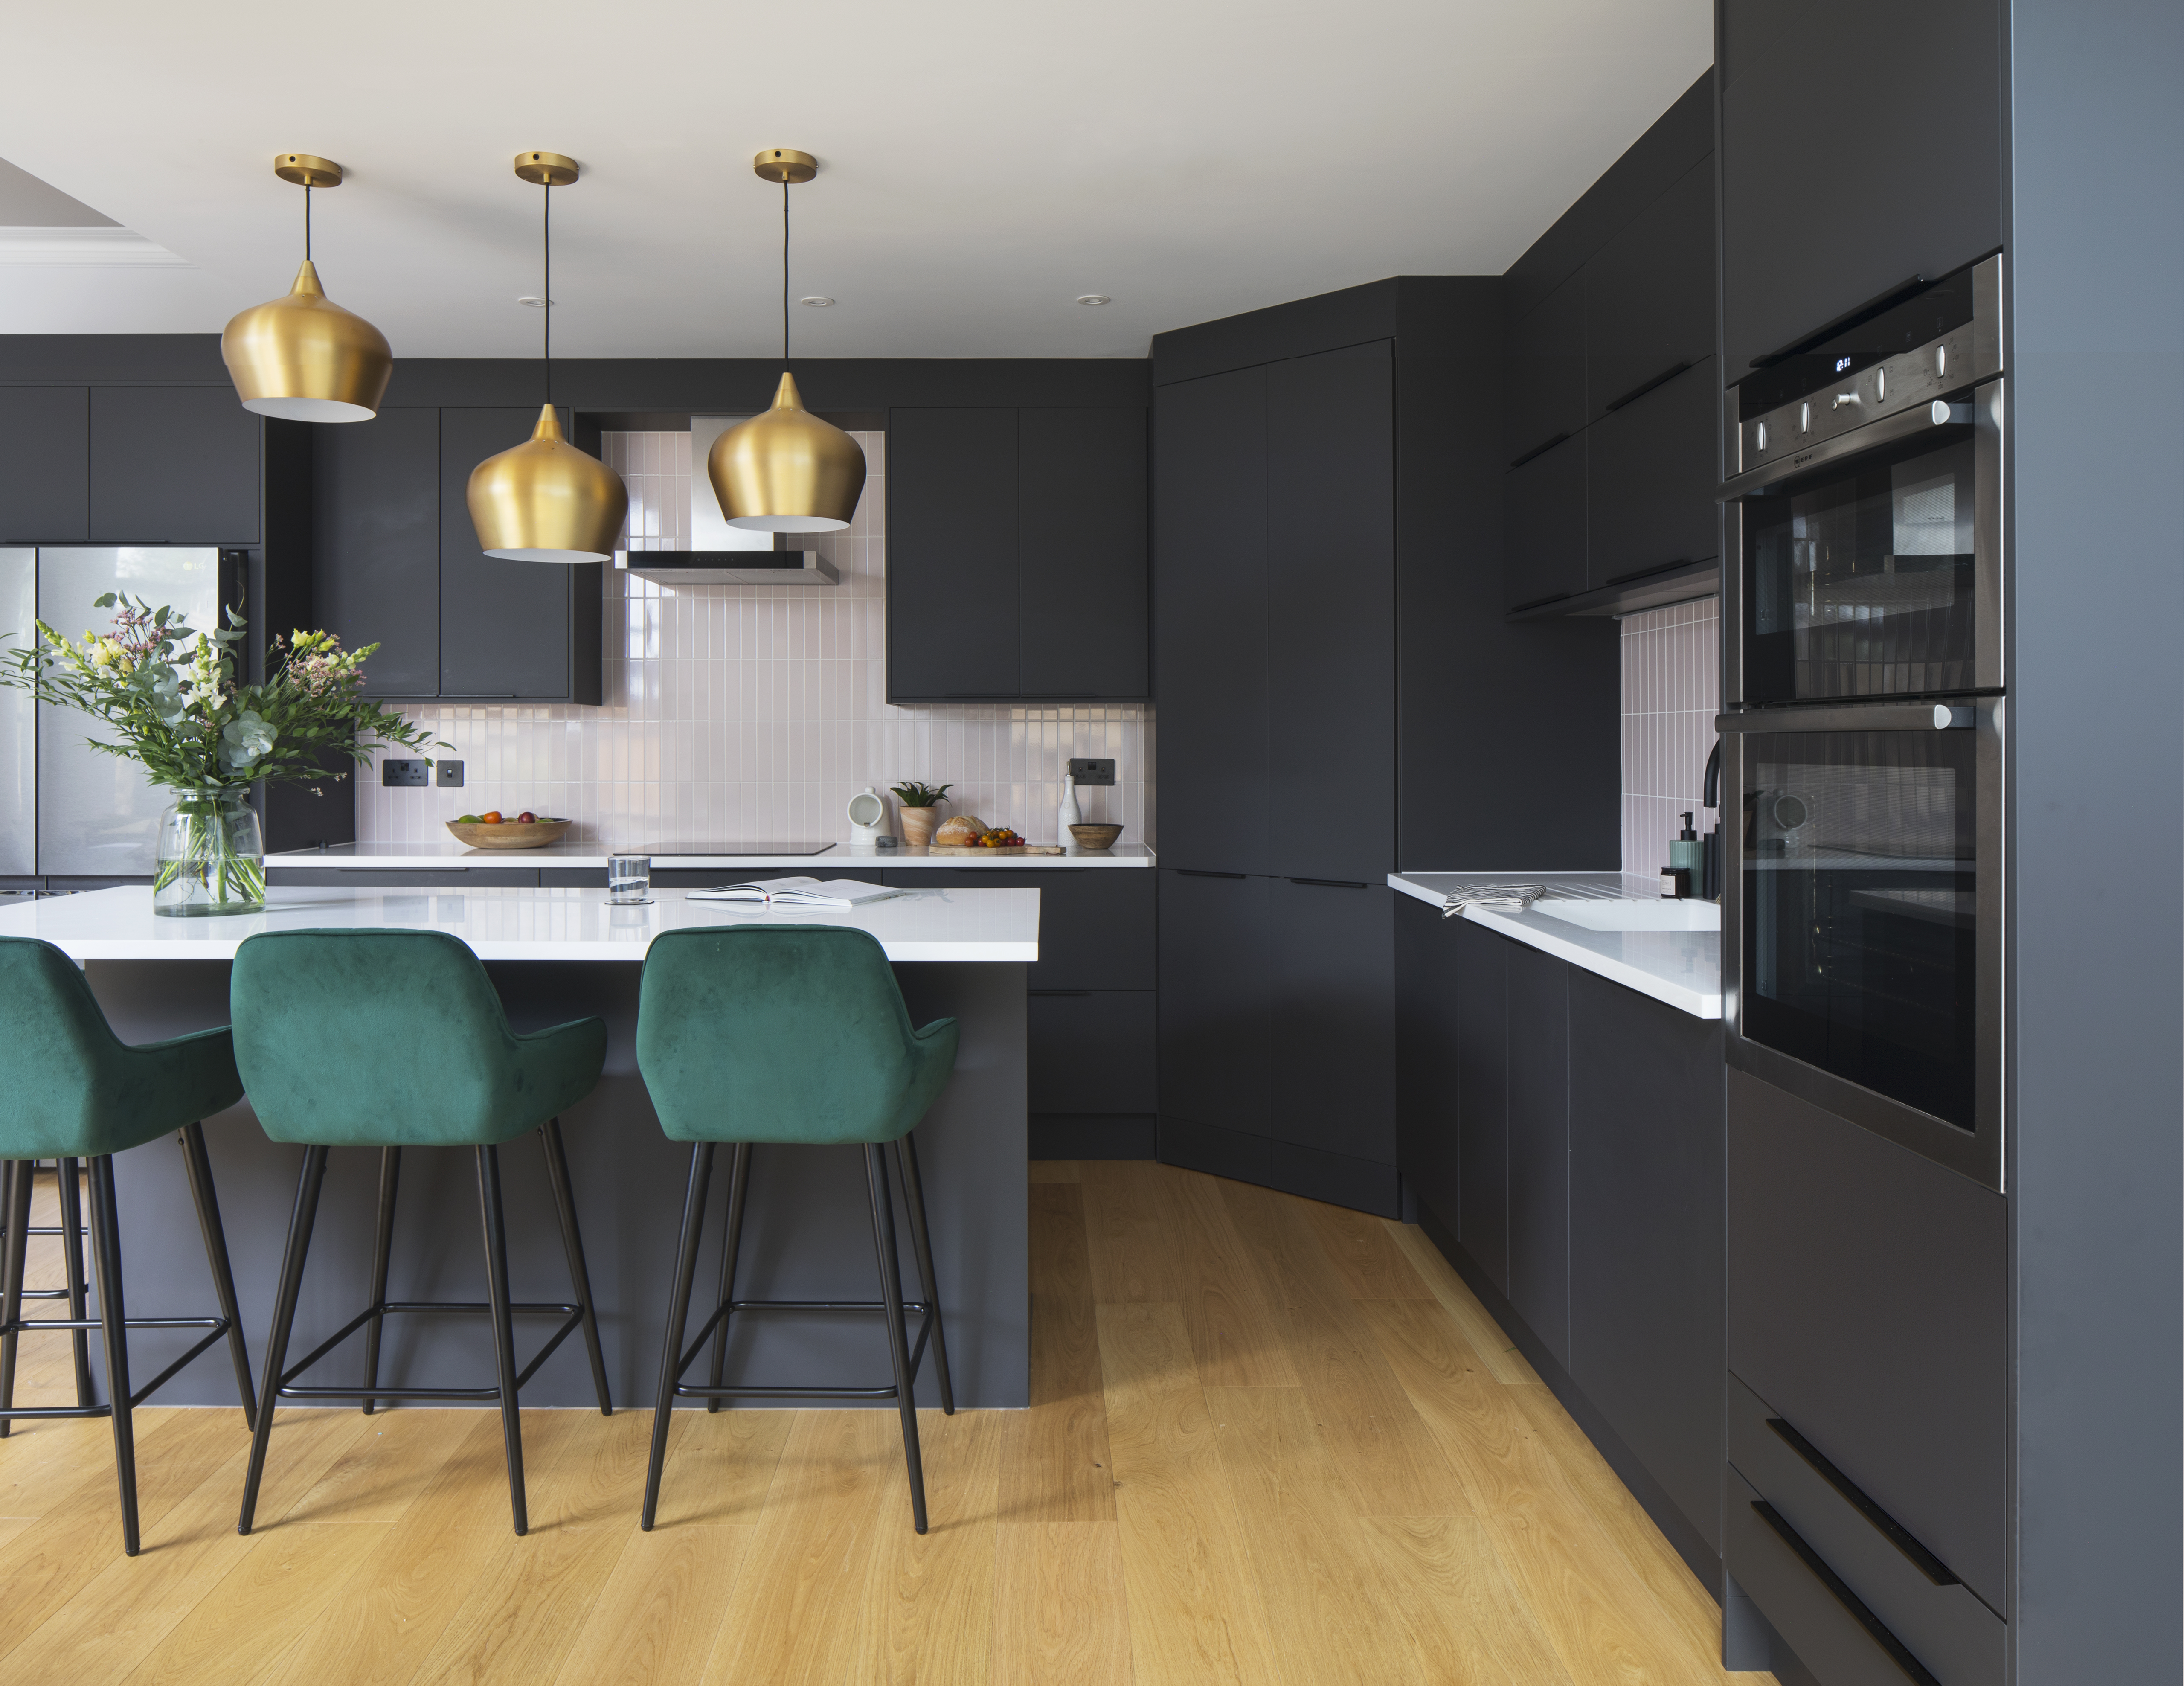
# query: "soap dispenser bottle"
1068,813
1685,858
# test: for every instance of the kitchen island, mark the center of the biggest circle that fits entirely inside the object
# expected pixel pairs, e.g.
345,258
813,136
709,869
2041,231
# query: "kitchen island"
557,954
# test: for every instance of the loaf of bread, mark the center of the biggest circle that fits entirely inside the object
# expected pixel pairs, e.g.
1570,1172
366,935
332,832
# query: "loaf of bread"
960,830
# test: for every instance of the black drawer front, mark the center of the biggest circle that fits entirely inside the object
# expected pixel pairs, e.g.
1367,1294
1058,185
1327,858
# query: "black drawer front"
1095,924
1093,1050
390,877
689,877
1906,1593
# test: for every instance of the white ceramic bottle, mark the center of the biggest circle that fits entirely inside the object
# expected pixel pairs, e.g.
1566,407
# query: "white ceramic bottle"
1069,813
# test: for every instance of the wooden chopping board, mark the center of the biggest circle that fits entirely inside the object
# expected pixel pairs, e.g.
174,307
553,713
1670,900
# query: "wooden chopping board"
973,849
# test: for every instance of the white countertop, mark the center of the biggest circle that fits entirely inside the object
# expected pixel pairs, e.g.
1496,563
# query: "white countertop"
445,854
524,924
1682,968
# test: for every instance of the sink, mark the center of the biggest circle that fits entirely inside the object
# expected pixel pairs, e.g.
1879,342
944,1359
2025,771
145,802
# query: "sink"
1633,916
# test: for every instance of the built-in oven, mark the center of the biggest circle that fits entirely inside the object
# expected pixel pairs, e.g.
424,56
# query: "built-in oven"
1864,709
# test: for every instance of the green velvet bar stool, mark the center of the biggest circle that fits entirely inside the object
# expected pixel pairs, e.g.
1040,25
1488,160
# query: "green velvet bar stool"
796,1037
76,1093
395,1039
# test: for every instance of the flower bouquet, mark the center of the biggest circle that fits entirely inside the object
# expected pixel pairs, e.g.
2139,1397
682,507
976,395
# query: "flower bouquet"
166,697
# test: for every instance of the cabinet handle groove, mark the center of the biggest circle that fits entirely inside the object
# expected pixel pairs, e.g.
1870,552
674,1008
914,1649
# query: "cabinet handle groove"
1197,872
1646,386
1540,449
1650,568
1875,1628
1889,1529
1057,992
1333,883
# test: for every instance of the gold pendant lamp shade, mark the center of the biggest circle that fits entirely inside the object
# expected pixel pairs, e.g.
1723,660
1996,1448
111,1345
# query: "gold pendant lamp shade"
786,471
302,357
544,501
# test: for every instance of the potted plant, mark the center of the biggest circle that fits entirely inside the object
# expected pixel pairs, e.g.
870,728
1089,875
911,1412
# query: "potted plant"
919,805
167,696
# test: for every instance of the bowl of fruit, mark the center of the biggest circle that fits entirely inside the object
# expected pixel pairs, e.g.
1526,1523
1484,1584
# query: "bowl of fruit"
493,829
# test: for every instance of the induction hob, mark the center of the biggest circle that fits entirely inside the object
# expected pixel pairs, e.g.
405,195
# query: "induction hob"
725,849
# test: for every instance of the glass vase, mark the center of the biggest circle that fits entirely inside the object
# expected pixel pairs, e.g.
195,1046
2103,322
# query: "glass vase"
211,857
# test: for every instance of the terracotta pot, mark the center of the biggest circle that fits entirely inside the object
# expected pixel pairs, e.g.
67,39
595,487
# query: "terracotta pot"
917,825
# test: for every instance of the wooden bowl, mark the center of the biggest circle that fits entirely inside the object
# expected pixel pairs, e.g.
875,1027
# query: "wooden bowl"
1096,836
512,834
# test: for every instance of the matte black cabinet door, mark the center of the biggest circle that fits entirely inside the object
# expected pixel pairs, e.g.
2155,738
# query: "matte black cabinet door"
952,516
505,632
1333,1034
1097,927
1650,479
376,544
1545,379
1649,294
1646,1187
1216,1000
1331,607
173,466
1539,1046
1543,526
45,440
1081,535
1427,1058
1837,186
1482,1017
1092,1051
1210,621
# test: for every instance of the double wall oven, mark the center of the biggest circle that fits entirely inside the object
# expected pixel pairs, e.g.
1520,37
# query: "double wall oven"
1864,705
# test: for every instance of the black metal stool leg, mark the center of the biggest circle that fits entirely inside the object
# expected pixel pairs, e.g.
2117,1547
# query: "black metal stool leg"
216,1246
70,1186
921,1243
572,1242
898,1336
390,1173
17,1240
308,1185
678,1317
112,1319
730,1245
503,1328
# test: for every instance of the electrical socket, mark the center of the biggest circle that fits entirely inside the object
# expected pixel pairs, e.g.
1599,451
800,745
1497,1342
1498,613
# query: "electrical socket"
1090,770
405,772
451,775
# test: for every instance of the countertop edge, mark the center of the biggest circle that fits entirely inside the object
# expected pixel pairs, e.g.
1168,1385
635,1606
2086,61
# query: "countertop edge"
814,866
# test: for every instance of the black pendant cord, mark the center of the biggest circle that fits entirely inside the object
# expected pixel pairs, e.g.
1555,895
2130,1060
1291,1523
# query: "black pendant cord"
784,273
307,222
546,286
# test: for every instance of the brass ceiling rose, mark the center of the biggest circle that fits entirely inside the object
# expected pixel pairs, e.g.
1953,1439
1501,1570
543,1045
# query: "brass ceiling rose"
785,166
301,357
546,501
547,169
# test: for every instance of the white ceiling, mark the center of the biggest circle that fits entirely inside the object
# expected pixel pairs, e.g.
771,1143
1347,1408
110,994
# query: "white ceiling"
982,162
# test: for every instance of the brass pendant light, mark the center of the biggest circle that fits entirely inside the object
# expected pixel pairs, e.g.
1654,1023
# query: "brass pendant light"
786,471
545,500
303,357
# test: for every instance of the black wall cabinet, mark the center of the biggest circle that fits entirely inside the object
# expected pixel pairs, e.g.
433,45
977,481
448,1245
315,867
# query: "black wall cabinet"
1649,295
1819,216
45,440
1544,525
1016,555
1650,481
173,466
1545,398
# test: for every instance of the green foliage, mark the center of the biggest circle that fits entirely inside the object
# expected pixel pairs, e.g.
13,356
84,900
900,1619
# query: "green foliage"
166,697
916,795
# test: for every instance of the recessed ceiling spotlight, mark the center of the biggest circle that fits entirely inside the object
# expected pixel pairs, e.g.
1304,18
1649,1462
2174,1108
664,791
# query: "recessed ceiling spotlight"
532,303
818,301
1094,299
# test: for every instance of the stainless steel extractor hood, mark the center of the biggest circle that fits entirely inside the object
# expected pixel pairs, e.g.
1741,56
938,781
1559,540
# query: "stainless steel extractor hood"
720,553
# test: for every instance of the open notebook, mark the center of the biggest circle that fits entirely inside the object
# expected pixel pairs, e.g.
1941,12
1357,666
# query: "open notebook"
800,893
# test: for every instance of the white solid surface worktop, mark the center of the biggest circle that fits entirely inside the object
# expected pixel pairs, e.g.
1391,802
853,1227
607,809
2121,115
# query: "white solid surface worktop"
446,854
524,924
1682,968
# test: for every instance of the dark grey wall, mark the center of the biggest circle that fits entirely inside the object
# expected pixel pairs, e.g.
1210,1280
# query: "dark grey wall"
2096,371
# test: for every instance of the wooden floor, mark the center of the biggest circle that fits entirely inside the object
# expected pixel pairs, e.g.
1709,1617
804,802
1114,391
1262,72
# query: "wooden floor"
1271,1441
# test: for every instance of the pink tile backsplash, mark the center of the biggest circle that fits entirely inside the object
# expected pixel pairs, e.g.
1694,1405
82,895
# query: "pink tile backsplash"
744,713
1671,693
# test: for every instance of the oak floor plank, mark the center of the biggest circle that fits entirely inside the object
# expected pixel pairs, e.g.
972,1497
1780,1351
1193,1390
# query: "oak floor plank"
1195,1611
720,1467
1229,1301
1131,1230
656,1618
1054,1462
1060,1609
518,1624
1503,1362
1460,1617
1053,1171
928,1617
395,1455
1361,1249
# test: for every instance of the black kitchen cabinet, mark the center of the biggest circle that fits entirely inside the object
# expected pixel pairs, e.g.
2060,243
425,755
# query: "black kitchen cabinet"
45,440
1084,588
1330,712
1646,1280
1650,473
1821,214
1332,1031
1546,383
1209,657
1216,1001
1017,566
173,466
1428,1060
1092,1052
1649,296
1543,526
1095,924
376,544
1538,1136
509,631
954,606
1482,1083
